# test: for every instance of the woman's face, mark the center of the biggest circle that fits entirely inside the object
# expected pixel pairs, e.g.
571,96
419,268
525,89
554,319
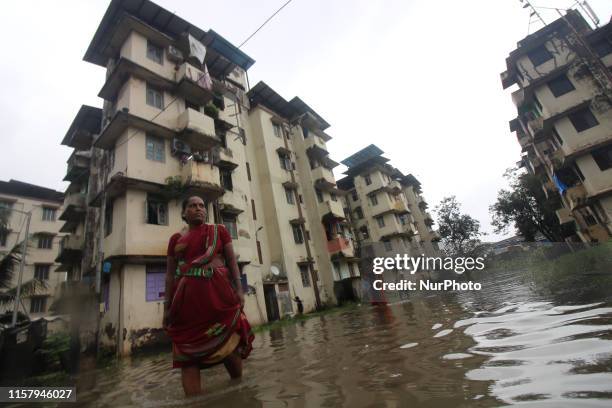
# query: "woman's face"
195,212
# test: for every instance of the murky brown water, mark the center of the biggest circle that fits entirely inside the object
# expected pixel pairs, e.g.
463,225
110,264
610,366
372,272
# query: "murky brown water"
503,345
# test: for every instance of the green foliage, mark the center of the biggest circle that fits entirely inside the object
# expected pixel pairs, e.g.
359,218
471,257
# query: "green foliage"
174,188
53,351
526,207
459,233
211,110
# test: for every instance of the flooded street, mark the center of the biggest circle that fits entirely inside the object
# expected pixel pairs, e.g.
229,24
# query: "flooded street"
507,344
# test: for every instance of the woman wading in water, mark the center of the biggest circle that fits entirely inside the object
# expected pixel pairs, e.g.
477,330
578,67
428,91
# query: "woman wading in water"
203,307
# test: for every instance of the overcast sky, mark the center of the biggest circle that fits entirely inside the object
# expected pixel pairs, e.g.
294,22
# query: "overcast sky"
420,79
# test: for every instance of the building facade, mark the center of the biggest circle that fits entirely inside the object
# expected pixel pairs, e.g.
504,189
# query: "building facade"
564,122
174,125
45,244
387,206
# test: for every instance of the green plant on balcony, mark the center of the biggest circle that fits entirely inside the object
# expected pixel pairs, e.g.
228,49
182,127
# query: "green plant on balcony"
429,222
211,110
174,188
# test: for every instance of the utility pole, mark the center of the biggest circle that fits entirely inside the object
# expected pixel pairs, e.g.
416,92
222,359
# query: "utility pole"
24,247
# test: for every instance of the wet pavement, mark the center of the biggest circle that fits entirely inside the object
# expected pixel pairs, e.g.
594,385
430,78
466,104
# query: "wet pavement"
507,344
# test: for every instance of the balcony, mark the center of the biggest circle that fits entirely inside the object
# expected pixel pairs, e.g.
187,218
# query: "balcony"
78,166
400,207
596,233
331,210
74,207
191,84
321,173
201,178
341,246
232,203
197,130
71,249
564,215
243,248
535,126
315,147
576,196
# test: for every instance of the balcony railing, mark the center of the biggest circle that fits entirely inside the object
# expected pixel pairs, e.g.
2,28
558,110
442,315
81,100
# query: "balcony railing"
232,202
78,167
332,208
576,196
193,84
243,249
564,215
74,207
341,245
71,249
323,173
197,129
202,178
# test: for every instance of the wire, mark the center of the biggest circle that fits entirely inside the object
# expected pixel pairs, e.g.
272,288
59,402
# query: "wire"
264,23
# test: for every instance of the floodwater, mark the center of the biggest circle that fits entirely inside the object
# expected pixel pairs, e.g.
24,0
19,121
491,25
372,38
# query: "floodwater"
507,344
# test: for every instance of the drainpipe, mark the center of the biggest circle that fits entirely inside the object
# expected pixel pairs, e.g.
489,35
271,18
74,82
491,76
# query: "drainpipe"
313,276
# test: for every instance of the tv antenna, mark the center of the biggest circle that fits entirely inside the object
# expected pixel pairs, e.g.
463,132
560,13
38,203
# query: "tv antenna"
533,14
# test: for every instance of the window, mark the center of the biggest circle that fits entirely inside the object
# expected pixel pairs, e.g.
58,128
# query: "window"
539,56
560,86
319,195
155,53
298,236
230,224
556,136
374,199
358,213
578,171
403,219
290,196
368,180
285,161
226,179
155,97
45,241
253,207
351,269
590,220
156,148
3,237
41,271
278,132
155,282
583,120
305,132
305,276
388,245
248,169
48,214
603,157
354,195
364,232
381,221
108,218
333,197
602,47
157,210
259,254
38,304
300,199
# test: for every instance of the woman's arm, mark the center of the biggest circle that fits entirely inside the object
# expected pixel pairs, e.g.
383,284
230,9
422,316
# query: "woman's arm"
230,259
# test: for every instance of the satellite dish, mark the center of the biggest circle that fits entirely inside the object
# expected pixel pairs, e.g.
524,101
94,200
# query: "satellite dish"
275,271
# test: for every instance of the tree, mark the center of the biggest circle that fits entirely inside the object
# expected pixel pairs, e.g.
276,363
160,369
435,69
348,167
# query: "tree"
459,232
526,207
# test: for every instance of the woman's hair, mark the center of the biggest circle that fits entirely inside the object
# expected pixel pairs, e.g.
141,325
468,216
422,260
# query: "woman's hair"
184,205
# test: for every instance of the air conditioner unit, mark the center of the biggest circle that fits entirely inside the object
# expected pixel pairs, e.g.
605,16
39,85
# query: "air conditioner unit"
174,54
178,146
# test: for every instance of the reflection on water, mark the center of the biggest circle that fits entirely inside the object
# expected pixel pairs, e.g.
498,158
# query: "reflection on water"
503,345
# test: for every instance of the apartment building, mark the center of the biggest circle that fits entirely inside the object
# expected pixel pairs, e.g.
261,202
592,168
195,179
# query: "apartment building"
564,122
181,119
386,206
45,239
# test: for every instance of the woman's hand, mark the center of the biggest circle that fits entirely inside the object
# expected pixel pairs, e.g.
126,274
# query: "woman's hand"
166,318
241,297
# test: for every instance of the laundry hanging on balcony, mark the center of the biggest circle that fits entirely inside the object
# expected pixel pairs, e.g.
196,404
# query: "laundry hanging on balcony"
198,51
560,185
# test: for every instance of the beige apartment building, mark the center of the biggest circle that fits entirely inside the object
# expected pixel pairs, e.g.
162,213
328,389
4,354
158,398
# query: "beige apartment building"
387,206
564,122
171,127
45,239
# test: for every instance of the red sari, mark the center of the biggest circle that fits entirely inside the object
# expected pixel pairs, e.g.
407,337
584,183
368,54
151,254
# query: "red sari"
206,322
